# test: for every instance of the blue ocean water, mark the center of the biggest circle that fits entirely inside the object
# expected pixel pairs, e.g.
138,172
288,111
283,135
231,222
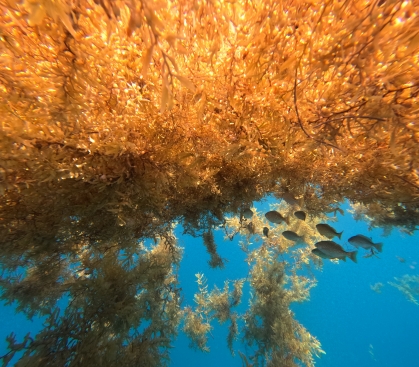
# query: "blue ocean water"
355,325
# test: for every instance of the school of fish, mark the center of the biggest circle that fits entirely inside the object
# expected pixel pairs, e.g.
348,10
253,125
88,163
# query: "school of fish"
327,249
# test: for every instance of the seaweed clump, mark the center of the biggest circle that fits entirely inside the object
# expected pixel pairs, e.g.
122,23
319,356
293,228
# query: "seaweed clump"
409,286
268,328
123,307
210,306
270,325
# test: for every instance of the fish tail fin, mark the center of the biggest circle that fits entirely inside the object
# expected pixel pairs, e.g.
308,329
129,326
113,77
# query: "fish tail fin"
340,235
379,246
352,256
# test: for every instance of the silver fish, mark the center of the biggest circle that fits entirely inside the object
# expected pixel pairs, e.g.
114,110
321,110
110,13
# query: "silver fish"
328,231
365,242
334,251
290,199
247,213
274,217
292,236
317,252
300,215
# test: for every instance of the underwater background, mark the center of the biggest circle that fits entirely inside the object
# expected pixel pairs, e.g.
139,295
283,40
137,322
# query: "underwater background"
356,324
136,141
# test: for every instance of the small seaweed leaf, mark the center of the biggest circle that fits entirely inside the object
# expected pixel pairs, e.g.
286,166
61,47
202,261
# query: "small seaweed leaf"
233,332
7,358
245,363
146,60
186,82
36,12
164,99
413,44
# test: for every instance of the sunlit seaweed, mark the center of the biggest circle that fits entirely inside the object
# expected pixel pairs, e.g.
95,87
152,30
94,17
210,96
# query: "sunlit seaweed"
377,287
212,305
409,286
270,326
